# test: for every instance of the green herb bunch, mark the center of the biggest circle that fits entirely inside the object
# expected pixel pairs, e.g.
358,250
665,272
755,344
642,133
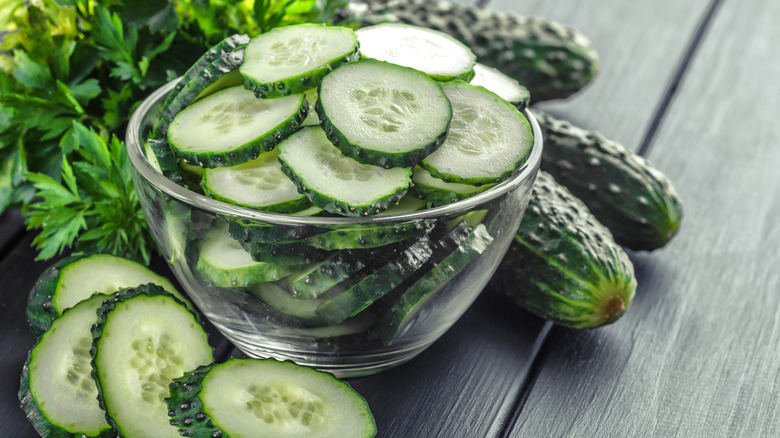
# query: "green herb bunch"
71,74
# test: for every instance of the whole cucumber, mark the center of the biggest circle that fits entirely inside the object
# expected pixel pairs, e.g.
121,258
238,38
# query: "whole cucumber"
626,193
563,265
552,60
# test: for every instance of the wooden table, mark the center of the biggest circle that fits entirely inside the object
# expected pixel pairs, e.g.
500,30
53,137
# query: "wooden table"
693,85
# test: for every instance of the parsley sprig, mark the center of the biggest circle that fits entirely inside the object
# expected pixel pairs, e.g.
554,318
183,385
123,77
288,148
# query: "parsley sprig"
71,73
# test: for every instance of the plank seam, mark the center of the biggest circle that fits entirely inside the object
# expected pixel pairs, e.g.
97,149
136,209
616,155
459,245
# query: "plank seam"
671,91
537,353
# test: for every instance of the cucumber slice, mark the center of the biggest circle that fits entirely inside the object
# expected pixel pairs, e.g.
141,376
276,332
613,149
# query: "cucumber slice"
488,138
437,54
363,236
439,192
337,183
377,283
224,263
360,323
212,66
57,390
223,48
467,247
245,398
505,87
231,127
232,78
292,59
311,98
258,184
144,338
304,310
161,157
77,278
383,114
318,278
407,204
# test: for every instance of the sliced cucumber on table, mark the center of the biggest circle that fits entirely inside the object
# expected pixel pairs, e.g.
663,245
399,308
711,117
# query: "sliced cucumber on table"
488,138
224,263
76,278
57,391
232,126
337,183
383,114
267,398
435,53
292,59
143,339
258,184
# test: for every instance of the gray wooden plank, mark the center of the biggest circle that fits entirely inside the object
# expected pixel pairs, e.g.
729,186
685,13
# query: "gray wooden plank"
697,355
640,44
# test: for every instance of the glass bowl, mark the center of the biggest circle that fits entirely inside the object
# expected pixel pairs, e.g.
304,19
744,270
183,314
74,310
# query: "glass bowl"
423,271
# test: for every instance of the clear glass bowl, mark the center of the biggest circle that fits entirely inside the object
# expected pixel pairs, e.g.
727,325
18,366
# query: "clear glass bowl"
414,289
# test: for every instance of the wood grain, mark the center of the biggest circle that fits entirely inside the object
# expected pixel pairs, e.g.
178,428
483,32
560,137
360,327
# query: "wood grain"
640,45
697,355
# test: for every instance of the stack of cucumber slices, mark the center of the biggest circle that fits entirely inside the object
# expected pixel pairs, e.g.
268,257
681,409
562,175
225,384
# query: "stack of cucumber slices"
121,352
316,120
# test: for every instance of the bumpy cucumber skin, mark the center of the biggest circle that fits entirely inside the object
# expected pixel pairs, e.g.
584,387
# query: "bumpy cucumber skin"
216,62
369,156
283,253
563,265
169,163
362,237
97,330
241,277
40,311
343,265
186,409
552,60
250,150
299,84
636,201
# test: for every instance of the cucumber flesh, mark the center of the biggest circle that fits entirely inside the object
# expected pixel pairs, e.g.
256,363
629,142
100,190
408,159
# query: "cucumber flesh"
318,278
292,59
337,183
57,391
488,138
435,53
267,398
435,191
505,87
76,278
143,340
258,184
383,114
224,263
304,310
232,126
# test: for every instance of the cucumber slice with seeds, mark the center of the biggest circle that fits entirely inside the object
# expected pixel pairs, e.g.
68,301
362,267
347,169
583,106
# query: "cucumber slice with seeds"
437,54
383,114
292,59
57,391
488,138
267,399
232,126
143,339
505,87
337,183
77,278
224,263
259,184
435,191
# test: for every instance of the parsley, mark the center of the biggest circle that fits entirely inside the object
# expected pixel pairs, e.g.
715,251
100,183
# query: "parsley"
71,73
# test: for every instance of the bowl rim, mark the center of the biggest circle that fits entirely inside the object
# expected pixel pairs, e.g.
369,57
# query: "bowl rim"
150,174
